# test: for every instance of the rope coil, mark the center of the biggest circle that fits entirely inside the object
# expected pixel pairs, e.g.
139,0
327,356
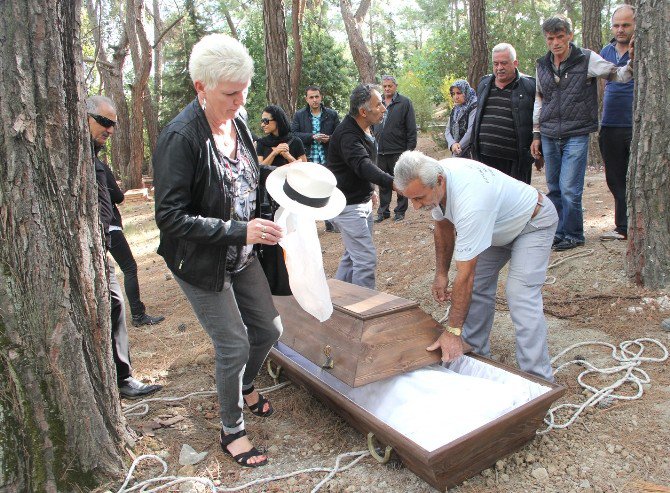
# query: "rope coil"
629,364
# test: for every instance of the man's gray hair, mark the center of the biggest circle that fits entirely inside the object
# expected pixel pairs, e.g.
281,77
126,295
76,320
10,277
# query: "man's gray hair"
500,47
389,77
360,98
557,23
217,58
414,164
93,103
623,6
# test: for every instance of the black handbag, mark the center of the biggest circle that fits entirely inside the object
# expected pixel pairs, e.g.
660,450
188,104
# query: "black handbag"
272,257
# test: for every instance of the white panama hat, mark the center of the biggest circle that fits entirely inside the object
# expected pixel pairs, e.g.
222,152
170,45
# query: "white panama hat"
306,188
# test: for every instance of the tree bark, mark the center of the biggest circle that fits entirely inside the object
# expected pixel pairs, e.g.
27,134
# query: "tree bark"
648,182
140,52
153,104
359,50
111,74
60,420
479,52
298,7
592,38
278,89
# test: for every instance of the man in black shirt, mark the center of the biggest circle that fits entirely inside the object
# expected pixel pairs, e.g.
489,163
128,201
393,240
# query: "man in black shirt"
351,158
101,123
503,129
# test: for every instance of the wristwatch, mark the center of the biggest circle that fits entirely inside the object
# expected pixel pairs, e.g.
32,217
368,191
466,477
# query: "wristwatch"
455,330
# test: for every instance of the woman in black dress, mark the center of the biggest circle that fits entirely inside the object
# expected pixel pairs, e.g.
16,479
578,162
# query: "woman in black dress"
279,146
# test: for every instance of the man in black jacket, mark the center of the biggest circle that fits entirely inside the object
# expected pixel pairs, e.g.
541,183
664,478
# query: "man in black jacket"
503,128
101,124
313,125
351,158
394,135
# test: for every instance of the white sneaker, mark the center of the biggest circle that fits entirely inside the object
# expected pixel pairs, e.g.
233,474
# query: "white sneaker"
612,235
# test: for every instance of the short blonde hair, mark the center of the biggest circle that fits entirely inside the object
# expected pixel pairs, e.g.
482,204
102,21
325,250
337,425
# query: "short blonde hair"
218,57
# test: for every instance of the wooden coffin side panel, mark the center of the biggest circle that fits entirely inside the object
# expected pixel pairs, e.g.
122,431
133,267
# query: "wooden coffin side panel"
396,343
453,463
309,337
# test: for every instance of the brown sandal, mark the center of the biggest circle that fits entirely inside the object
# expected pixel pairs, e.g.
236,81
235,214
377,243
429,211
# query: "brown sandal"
243,457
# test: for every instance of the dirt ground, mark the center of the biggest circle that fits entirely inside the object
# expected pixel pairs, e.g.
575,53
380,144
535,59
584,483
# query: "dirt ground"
621,448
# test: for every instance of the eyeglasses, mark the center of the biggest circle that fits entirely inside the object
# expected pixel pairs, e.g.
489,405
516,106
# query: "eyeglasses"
103,120
265,121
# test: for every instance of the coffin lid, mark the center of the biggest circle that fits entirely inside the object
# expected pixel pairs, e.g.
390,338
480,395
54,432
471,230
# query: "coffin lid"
363,303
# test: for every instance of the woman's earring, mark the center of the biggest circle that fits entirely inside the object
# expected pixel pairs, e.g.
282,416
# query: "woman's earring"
204,104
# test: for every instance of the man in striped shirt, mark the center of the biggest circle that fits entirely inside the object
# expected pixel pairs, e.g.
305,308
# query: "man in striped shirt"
503,129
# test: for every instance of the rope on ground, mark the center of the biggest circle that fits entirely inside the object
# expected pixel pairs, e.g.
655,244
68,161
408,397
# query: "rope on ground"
629,355
142,408
163,482
572,256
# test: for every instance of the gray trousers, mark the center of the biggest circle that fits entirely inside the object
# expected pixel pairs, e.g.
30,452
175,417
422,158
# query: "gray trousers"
358,264
243,324
528,256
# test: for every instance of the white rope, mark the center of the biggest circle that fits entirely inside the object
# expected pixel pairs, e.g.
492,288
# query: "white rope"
163,482
584,253
131,409
629,364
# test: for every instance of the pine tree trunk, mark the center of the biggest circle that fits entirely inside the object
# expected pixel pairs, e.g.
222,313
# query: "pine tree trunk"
359,50
61,427
111,74
648,182
592,38
297,10
479,52
278,89
140,52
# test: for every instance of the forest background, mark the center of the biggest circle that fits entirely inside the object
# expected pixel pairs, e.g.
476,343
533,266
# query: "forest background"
137,51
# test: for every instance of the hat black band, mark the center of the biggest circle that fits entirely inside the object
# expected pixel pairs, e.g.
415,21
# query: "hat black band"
291,193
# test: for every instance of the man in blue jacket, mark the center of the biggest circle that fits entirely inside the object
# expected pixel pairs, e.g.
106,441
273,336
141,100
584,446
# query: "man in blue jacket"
313,125
616,125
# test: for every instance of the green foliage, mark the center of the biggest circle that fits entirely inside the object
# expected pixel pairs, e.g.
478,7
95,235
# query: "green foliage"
177,85
385,47
252,36
414,87
325,64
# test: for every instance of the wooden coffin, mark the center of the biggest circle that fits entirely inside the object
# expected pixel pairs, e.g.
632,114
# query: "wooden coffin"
447,464
370,336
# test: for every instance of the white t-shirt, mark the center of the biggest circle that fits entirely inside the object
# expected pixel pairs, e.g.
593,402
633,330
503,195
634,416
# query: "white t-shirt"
487,207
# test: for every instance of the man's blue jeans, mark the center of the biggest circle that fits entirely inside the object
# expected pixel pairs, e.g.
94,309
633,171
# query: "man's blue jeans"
565,166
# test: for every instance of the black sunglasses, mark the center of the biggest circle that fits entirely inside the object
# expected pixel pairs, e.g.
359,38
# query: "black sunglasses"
102,120
265,121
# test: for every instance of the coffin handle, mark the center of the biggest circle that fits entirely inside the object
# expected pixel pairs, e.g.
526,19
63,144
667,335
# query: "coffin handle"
373,450
274,373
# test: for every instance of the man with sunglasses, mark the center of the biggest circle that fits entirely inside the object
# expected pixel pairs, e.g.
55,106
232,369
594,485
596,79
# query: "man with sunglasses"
101,123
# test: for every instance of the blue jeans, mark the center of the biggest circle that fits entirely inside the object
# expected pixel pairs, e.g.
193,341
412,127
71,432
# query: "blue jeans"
359,261
565,166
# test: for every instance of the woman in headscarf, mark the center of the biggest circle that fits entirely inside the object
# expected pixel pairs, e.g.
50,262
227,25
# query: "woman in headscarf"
461,119
278,147
206,177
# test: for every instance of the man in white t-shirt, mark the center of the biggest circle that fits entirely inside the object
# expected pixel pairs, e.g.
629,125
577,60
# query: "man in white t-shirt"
485,219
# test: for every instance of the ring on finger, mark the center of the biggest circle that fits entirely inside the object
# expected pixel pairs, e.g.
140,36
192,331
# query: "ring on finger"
263,236
263,228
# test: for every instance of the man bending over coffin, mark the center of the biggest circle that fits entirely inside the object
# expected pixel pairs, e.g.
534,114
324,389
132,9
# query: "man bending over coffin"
484,219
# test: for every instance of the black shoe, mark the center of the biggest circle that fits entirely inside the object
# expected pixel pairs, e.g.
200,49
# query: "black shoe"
131,388
557,240
146,319
399,217
567,244
381,218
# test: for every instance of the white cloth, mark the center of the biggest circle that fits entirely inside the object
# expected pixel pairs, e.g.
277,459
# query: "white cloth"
487,207
434,406
304,263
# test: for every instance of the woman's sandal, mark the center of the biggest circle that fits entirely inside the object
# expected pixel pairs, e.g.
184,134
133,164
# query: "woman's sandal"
257,408
243,457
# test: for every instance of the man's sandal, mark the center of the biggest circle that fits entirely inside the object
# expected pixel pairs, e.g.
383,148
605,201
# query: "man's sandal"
243,457
257,408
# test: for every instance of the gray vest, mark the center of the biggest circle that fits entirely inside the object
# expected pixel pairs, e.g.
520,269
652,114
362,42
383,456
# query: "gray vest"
569,97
